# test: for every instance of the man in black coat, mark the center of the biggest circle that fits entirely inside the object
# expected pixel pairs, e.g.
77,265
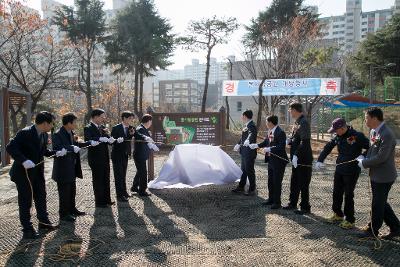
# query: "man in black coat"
120,153
301,156
67,168
28,148
276,157
99,158
350,144
248,155
143,145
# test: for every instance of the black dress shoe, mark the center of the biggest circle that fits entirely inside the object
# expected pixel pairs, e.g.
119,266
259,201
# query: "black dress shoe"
47,226
122,199
78,213
302,212
68,218
31,234
135,189
238,190
110,203
289,207
391,235
267,203
144,194
251,193
275,207
128,195
366,235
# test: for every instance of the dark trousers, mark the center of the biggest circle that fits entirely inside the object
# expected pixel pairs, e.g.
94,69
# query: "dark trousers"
275,177
247,167
101,183
344,184
66,196
300,183
140,180
120,166
381,209
25,201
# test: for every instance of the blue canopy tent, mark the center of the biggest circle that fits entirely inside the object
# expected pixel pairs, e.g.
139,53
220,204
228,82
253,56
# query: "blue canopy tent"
356,101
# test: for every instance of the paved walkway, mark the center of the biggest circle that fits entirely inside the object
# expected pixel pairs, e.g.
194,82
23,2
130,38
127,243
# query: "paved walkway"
208,226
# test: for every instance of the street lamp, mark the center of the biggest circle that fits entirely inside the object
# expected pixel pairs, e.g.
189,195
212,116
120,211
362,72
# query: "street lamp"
371,68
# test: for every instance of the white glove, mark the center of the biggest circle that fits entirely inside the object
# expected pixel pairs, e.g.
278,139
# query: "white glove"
253,146
267,150
61,153
76,149
319,165
236,148
120,140
148,139
294,161
246,143
94,143
360,164
103,139
28,164
153,147
361,157
111,140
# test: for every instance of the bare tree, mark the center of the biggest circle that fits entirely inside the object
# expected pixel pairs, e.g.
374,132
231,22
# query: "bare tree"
205,34
32,58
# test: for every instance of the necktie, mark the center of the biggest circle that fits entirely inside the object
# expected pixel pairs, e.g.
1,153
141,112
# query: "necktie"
42,140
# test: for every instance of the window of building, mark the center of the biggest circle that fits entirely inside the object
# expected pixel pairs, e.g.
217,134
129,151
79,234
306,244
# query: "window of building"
168,86
239,106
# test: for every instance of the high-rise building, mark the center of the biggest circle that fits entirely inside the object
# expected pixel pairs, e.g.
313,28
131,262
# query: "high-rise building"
349,29
180,95
197,71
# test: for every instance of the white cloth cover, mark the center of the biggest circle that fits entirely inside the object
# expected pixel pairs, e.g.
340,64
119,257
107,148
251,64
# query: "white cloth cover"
194,165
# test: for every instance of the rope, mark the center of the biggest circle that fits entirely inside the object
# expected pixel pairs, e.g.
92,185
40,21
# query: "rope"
66,255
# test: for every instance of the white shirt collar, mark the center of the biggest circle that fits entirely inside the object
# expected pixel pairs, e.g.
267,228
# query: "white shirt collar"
272,131
379,127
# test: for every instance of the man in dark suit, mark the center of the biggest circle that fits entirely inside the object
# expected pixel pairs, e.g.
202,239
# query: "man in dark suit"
143,145
380,161
121,151
248,155
28,148
276,157
301,157
99,158
67,168
350,144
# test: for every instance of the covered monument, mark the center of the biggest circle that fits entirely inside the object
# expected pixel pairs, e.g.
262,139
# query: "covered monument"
194,165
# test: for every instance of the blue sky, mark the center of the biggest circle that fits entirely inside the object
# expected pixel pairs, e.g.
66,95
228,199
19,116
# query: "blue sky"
180,12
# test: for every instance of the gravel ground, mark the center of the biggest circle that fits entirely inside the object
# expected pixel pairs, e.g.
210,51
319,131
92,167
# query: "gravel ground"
207,226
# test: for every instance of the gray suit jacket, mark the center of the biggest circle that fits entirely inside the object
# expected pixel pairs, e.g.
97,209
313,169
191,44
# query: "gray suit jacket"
380,157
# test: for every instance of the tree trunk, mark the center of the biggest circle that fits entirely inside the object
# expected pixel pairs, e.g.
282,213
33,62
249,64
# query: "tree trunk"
227,112
141,91
204,101
88,92
136,89
14,121
260,102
